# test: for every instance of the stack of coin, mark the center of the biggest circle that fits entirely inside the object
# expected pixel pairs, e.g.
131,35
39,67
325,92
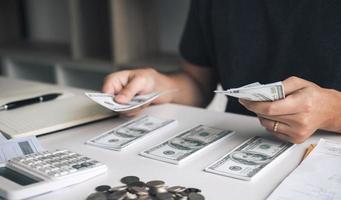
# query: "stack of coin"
135,189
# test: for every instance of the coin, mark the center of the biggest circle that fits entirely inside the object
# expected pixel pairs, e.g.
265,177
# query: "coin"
141,191
155,183
119,195
145,198
154,190
131,196
136,184
134,189
190,190
181,196
97,196
195,196
164,196
102,188
176,189
118,188
129,179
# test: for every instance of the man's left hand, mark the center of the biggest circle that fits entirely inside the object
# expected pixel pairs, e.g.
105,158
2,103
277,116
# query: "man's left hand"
306,108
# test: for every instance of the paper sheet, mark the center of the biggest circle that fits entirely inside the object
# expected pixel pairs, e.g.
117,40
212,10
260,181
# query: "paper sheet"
317,177
18,147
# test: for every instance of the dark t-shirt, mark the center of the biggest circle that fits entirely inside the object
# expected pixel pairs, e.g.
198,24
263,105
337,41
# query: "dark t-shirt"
265,40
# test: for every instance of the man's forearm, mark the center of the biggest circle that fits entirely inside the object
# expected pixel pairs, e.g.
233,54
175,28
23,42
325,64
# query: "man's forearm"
188,90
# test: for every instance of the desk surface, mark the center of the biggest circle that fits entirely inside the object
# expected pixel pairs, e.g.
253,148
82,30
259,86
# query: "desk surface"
191,174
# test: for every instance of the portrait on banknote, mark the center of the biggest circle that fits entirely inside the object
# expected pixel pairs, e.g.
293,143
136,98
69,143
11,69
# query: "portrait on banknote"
249,157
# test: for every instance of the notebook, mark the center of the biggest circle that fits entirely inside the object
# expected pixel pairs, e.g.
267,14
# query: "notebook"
70,109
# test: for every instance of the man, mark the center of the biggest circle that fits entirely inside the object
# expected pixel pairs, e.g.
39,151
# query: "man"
236,42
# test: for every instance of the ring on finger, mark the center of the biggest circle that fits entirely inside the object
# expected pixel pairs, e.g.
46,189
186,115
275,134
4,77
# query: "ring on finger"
275,127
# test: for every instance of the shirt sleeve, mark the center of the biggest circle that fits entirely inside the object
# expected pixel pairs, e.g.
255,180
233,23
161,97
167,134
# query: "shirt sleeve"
193,44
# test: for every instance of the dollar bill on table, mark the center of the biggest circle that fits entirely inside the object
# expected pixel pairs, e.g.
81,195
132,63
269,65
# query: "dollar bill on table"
181,147
250,158
107,101
130,132
257,92
19,147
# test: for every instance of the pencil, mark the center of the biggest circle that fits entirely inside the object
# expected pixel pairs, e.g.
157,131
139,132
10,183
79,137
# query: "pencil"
308,151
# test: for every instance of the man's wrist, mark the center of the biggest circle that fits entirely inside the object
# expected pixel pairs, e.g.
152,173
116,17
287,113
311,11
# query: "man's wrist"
334,120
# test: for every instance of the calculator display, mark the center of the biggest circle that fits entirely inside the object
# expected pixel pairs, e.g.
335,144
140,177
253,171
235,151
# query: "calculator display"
16,177
25,147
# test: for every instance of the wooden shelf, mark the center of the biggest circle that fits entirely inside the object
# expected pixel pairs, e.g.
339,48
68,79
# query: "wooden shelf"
79,78
24,69
10,23
70,42
36,49
91,29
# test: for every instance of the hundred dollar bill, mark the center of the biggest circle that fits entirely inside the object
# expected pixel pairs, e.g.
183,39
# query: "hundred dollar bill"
176,150
107,101
250,158
257,92
130,132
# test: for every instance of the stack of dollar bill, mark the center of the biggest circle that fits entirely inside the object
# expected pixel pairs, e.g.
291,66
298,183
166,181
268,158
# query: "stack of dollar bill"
257,92
107,101
181,147
250,158
130,132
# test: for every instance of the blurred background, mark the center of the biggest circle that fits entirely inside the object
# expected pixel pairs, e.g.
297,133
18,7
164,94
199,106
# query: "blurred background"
78,42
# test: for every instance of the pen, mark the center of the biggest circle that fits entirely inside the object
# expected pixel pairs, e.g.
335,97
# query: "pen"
29,101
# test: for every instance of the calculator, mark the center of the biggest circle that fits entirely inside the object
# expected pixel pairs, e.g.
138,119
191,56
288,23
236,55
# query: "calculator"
39,173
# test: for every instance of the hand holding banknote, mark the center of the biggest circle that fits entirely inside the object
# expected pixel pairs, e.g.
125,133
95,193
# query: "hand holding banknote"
129,83
306,108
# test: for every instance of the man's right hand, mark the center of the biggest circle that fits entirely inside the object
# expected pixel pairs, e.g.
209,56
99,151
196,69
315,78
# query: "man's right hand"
194,86
128,83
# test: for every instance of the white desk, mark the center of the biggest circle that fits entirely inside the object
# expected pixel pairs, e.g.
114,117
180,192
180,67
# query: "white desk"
190,174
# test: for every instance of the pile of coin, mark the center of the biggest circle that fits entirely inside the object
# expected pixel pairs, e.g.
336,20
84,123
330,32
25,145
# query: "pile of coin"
135,189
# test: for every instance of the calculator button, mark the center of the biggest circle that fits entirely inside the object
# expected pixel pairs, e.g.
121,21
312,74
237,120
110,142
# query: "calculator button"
47,170
27,159
56,164
72,170
63,173
54,169
85,164
77,166
37,166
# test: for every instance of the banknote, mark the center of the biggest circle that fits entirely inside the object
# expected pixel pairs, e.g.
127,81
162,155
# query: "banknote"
107,101
130,132
257,92
181,147
250,158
